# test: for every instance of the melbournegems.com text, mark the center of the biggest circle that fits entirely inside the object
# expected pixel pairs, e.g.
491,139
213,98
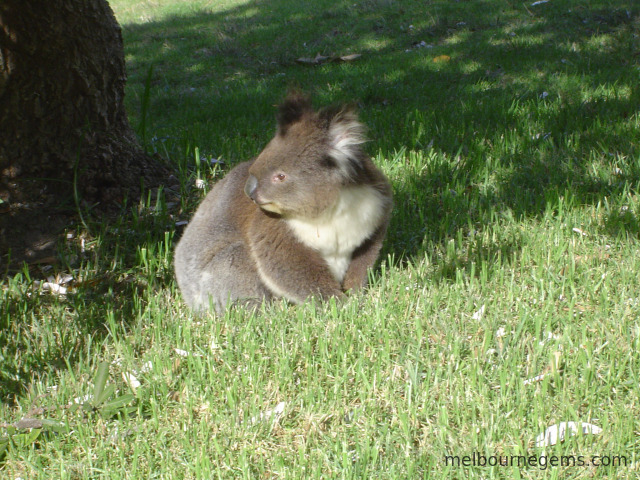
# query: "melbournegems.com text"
542,462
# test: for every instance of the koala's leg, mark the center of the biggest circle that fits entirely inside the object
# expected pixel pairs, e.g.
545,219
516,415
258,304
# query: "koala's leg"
286,266
229,277
362,260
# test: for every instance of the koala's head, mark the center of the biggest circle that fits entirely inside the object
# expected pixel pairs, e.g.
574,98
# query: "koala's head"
312,157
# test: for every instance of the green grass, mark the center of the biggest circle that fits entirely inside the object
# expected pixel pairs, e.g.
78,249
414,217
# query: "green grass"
511,137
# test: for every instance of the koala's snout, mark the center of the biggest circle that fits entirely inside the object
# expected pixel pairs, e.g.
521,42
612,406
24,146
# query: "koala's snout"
250,187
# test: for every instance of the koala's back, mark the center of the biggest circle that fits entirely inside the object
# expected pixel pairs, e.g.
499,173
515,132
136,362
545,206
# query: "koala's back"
212,262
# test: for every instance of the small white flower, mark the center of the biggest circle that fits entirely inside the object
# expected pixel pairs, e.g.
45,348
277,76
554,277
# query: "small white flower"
479,314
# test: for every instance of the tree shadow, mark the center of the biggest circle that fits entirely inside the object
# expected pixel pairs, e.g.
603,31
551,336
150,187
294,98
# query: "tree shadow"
44,329
61,331
528,90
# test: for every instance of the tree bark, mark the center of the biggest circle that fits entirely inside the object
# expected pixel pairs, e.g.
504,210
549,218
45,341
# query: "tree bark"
63,125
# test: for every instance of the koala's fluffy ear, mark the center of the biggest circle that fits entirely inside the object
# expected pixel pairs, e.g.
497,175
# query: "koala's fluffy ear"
345,135
291,110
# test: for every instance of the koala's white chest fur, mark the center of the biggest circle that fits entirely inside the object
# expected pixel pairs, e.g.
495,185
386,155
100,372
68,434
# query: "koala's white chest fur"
341,229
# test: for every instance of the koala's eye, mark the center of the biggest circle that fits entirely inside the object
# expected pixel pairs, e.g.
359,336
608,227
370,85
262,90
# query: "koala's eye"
279,177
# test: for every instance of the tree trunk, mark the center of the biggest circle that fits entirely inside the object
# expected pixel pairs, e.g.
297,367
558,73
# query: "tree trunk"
63,126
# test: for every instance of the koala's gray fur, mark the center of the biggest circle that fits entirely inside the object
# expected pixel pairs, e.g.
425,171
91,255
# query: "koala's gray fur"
306,217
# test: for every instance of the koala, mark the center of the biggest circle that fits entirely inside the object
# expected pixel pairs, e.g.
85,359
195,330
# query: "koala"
307,217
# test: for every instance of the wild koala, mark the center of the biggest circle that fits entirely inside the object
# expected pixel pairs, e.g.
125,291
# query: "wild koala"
306,218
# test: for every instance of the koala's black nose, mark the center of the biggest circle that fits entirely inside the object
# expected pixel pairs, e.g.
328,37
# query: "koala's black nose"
250,186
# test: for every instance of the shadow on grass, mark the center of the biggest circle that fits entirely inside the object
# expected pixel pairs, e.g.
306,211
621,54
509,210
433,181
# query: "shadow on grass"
42,332
534,101
49,344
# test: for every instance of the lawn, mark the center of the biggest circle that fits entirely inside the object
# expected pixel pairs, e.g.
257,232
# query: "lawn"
506,300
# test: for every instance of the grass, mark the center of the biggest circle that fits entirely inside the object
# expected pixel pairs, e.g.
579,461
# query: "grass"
506,299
